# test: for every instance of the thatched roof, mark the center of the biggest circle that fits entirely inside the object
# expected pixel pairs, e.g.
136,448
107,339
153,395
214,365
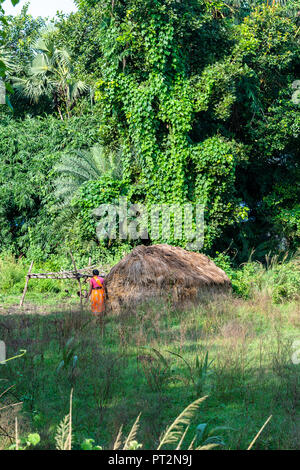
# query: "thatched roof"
158,270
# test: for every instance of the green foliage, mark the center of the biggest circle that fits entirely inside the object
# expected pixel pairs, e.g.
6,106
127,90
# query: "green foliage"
154,106
206,435
215,161
89,444
3,21
11,273
277,277
280,280
94,193
193,118
21,32
176,118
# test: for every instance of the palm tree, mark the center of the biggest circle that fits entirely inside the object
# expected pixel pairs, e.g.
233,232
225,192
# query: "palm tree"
52,74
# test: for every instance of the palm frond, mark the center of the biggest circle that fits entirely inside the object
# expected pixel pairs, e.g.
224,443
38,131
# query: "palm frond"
76,169
51,73
182,439
77,89
62,434
73,171
80,166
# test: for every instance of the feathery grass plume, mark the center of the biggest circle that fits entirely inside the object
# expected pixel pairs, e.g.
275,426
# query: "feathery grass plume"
191,446
62,434
259,433
118,441
132,435
175,431
63,437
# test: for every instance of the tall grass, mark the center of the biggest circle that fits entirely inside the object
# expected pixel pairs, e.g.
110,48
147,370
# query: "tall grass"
235,349
175,434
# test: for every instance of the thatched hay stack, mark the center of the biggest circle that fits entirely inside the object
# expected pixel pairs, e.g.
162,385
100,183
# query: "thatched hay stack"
162,270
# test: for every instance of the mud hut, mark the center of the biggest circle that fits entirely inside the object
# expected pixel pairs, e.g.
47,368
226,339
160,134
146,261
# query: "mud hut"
163,271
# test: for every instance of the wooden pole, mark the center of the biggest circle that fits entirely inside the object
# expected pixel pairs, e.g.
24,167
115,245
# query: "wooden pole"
26,284
78,278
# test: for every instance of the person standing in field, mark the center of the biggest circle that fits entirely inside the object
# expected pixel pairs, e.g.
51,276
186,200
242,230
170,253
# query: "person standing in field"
97,293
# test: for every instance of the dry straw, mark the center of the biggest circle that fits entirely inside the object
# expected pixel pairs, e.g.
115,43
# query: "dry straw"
162,270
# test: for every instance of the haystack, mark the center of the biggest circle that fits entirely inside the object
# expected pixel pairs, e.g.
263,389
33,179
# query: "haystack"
163,271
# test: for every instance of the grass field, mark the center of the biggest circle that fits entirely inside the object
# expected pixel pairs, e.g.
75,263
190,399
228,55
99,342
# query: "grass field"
155,362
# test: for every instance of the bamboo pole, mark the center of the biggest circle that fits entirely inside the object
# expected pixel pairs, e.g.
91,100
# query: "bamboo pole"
84,272
26,284
78,278
80,273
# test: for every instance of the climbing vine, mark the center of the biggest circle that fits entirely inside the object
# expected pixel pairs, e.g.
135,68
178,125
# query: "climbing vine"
148,89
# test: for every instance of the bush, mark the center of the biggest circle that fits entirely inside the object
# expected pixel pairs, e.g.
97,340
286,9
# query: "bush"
280,279
12,274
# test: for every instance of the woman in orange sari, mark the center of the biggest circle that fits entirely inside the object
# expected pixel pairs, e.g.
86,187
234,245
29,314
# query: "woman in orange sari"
97,294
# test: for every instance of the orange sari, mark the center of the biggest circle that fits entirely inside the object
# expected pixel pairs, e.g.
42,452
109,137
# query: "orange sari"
98,298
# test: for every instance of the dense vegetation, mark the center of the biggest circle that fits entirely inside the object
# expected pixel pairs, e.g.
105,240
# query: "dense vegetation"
173,102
